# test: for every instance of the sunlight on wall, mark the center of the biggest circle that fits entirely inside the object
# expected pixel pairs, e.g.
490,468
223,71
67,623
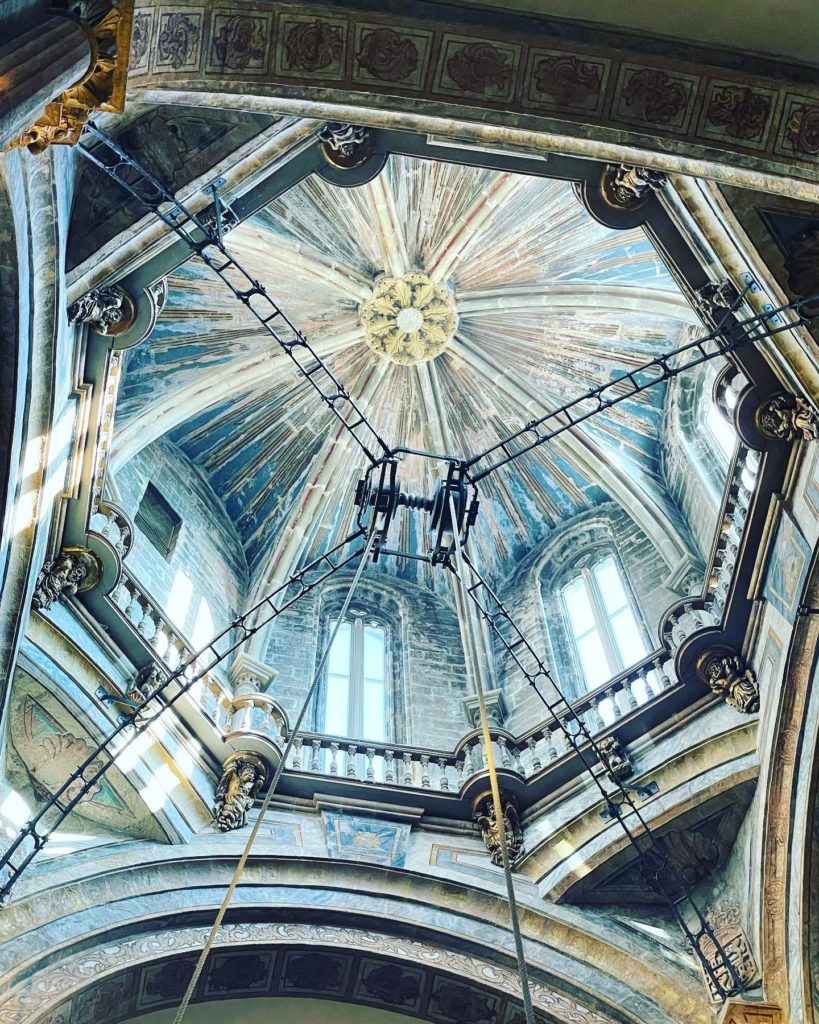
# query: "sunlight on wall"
179,599
156,792
203,628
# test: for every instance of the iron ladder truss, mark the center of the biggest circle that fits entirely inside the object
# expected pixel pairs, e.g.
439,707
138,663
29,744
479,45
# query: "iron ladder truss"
453,510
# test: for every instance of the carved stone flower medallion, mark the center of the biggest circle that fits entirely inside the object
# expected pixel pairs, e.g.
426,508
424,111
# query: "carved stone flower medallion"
409,319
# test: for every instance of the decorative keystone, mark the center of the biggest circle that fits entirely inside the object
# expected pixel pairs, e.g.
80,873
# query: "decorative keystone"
72,571
409,319
727,674
785,417
110,311
630,187
243,775
483,813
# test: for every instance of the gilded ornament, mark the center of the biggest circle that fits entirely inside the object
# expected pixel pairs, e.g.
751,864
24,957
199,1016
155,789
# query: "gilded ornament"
484,816
728,675
243,775
785,417
409,319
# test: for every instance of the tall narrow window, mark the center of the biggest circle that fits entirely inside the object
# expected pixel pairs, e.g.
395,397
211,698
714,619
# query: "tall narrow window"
158,521
356,693
602,622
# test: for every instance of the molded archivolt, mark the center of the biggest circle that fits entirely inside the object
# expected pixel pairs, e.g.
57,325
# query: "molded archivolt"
441,934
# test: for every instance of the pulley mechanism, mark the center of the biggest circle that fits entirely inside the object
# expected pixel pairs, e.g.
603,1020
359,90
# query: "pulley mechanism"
378,496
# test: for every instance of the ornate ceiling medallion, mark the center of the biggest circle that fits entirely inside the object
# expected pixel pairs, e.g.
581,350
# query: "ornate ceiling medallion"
409,319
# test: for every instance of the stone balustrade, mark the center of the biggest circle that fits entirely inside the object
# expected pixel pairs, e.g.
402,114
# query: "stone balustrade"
448,771
112,523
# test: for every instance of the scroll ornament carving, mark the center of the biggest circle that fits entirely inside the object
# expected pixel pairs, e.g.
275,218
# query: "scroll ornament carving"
243,775
630,187
110,311
102,88
72,571
728,675
787,418
485,818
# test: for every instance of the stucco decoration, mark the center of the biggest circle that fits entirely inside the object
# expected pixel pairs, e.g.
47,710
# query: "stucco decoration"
728,675
409,319
73,570
243,775
47,743
733,940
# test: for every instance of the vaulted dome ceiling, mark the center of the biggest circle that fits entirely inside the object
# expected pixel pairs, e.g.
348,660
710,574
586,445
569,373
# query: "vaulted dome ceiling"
544,303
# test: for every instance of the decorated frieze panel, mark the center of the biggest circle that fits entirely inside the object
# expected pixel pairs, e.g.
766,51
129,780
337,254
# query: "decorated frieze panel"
343,965
481,66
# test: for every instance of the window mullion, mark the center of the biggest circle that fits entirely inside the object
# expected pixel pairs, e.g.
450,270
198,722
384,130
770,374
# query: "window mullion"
356,679
601,617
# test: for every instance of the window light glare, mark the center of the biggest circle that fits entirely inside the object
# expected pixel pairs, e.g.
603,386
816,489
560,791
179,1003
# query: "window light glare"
721,430
15,809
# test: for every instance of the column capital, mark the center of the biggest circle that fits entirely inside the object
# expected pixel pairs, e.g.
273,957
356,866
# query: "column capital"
101,88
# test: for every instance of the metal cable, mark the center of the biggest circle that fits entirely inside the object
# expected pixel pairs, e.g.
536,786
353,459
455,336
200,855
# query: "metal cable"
500,819
237,874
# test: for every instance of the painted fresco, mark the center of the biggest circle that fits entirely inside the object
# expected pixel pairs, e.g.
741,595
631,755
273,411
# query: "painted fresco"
350,837
47,743
788,568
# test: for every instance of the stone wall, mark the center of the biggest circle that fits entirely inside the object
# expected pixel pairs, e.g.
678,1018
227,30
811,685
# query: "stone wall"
425,656
201,586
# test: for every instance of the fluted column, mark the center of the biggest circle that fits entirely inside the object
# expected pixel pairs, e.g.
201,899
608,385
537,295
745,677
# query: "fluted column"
35,68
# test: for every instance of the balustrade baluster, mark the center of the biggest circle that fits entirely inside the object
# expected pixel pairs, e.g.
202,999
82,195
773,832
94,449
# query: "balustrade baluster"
628,689
443,779
594,723
518,763
531,743
370,752
505,760
352,754
407,759
563,736
459,771
616,710
314,760
333,759
425,771
467,760
551,749
645,676
665,682
389,766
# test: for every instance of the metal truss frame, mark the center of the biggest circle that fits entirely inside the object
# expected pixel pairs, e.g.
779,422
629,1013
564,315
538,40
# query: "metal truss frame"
378,497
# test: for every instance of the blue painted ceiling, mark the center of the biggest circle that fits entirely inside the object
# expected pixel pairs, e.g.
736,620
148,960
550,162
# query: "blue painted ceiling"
550,303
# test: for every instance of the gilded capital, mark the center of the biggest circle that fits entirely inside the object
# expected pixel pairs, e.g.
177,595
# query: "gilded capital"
101,88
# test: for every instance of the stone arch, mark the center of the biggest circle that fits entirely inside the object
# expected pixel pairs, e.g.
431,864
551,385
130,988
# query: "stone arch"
589,970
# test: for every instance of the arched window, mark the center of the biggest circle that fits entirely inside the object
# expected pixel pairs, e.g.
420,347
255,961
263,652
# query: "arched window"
602,622
355,695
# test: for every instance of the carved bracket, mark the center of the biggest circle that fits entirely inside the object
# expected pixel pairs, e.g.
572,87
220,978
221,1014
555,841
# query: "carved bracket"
614,759
713,300
345,145
483,813
785,417
727,674
72,571
630,187
109,311
243,775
